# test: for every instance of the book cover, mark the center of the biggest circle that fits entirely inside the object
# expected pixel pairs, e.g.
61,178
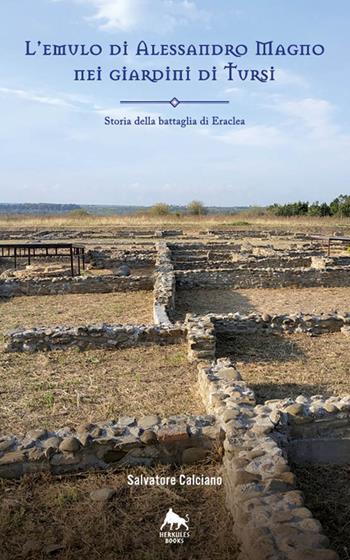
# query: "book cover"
174,280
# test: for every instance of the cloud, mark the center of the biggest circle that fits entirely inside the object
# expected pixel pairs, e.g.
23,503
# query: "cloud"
233,90
307,121
28,95
77,103
305,124
119,14
126,15
314,117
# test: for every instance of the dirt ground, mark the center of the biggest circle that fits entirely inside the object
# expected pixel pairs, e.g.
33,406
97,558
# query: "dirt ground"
280,366
327,492
61,388
260,300
75,309
45,517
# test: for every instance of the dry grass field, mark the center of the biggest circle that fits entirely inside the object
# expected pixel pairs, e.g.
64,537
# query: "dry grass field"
247,219
46,517
277,367
76,309
327,493
274,301
68,388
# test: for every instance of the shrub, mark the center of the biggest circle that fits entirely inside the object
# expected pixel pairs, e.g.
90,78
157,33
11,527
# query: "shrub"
160,209
78,213
196,208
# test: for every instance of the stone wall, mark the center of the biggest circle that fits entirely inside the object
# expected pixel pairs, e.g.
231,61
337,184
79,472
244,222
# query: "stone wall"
88,233
234,261
227,254
270,517
256,234
321,262
314,429
91,336
201,338
164,286
242,277
77,285
202,331
113,257
122,443
298,323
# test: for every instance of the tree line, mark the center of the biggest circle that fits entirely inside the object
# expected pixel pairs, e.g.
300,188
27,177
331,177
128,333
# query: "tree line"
340,207
37,208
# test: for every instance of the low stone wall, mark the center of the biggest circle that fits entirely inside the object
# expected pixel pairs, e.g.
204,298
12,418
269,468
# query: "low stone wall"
226,256
112,258
263,234
201,338
270,517
299,323
314,429
278,261
168,233
91,336
127,442
164,286
88,233
202,331
321,262
77,285
242,277
243,263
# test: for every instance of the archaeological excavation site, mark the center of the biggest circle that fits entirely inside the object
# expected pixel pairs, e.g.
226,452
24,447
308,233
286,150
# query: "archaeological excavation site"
216,353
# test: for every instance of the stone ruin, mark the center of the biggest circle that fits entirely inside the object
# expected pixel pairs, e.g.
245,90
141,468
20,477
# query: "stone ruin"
33,271
258,441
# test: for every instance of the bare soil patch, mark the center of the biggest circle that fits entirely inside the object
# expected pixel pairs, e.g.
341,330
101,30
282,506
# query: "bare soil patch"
42,514
66,388
280,366
327,493
76,309
261,300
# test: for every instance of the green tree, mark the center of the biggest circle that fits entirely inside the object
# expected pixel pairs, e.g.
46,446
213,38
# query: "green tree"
340,206
160,209
321,210
291,209
196,208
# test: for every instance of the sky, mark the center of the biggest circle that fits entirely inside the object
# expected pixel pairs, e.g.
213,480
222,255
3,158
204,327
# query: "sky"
55,146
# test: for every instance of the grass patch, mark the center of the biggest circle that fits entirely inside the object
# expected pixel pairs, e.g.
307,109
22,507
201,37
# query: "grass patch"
43,514
283,366
327,494
240,223
263,300
56,389
76,309
195,223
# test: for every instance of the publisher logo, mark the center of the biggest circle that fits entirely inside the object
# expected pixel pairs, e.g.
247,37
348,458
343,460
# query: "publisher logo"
175,525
